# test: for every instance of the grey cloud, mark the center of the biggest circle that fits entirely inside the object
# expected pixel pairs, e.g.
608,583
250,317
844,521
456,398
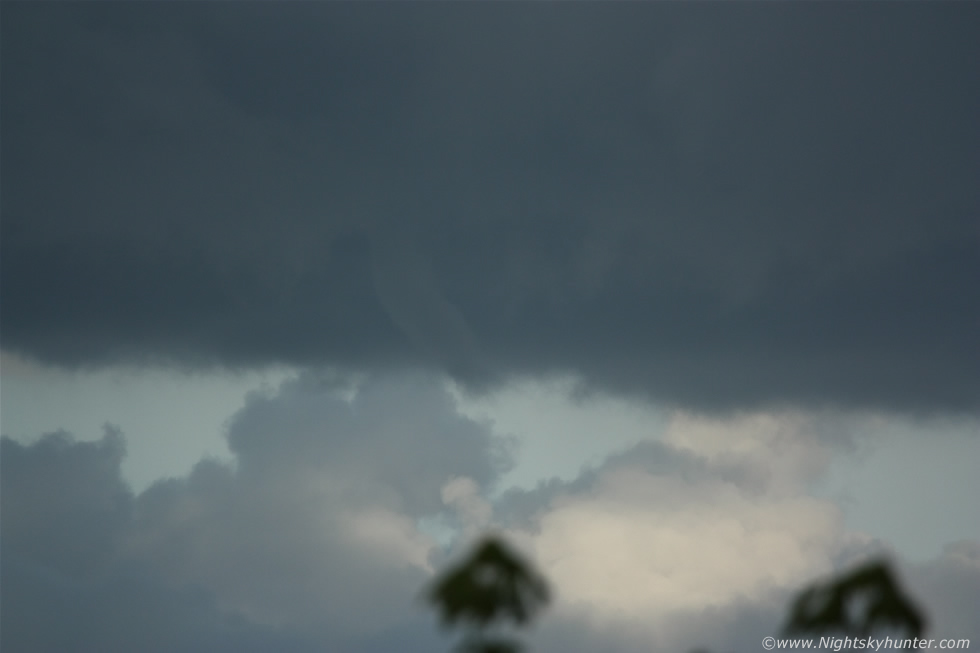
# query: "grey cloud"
44,612
58,487
328,491
66,584
400,431
948,587
256,555
307,541
724,206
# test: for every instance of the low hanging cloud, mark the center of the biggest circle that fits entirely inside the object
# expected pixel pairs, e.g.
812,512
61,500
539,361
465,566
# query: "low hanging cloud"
741,207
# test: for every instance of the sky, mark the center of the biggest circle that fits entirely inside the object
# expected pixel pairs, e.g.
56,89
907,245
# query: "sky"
300,299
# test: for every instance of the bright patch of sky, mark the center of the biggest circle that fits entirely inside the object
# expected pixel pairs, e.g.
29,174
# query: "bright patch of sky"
170,420
558,433
914,485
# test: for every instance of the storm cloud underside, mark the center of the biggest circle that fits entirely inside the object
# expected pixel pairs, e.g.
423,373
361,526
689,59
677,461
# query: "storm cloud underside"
707,205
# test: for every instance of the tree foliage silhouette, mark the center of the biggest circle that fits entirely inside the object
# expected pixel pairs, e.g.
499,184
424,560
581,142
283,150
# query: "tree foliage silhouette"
493,585
856,603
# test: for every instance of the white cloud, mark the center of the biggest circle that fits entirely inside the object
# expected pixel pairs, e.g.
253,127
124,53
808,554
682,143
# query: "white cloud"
644,541
621,557
391,537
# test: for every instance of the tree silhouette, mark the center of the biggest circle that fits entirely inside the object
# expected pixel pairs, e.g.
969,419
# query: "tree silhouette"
856,604
491,586
494,585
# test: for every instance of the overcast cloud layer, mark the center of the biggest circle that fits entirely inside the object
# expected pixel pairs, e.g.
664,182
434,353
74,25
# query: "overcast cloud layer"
715,205
310,539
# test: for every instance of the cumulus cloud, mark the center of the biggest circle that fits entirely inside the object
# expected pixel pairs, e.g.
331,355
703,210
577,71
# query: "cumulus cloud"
67,583
714,208
311,537
664,529
701,539
89,501
329,490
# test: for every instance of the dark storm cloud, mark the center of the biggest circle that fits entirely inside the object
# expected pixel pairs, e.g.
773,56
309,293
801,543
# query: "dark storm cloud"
715,205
